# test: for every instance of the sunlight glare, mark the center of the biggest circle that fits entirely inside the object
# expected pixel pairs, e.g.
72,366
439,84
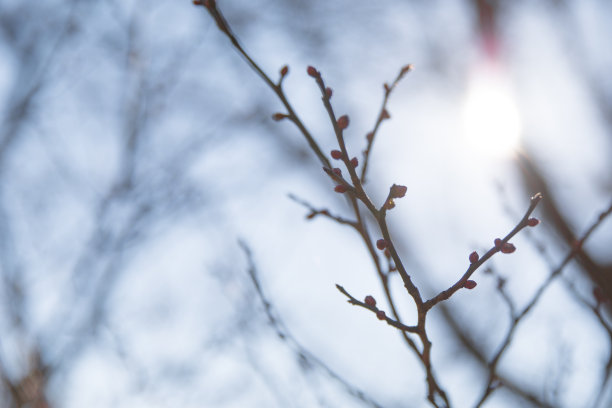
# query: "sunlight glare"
491,118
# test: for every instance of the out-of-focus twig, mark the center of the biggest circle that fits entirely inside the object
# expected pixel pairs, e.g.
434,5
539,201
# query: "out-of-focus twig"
517,318
285,335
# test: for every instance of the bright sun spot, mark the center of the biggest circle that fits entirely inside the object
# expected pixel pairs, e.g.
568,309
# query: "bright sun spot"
491,119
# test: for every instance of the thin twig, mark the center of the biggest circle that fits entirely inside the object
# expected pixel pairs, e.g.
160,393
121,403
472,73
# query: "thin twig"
382,115
534,300
398,325
285,334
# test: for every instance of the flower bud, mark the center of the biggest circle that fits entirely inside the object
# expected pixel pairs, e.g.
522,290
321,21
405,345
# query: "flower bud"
328,92
469,284
406,69
381,244
343,122
398,191
381,315
354,162
340,188
508,248
370,301
312,71
498,243
532,222
336,154
284,70
474,257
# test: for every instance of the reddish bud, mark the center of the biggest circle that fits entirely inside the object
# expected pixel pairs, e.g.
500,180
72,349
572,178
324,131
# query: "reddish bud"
381,315
385,114
336,154
381,244
343,122
474,257
340,188
328,92
354,162
406,69
284,70
387,253
508,248
312,71
397,191
498,243
469,284
337,171
197,2
278,116
532,222
370,301
369,136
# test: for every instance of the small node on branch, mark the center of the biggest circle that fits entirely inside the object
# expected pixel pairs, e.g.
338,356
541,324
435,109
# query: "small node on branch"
474,257
498,243
279,116
469,284
343,122
337,171
532,222
385,114
389,204
197,2
336,154
354,162
386,86
381,244
381,315
312,71
370,301
328,92
387,253
508,248
397,191
210,4
370,136
284,71
340,188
